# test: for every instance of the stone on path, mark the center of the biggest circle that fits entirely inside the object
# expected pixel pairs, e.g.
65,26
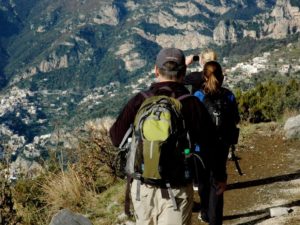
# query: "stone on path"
292,127
279,211
66,217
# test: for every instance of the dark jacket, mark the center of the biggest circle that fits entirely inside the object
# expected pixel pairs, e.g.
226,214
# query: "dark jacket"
195,79
227,132
197,121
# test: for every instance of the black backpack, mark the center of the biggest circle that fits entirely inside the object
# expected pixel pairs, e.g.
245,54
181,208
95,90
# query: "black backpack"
223,112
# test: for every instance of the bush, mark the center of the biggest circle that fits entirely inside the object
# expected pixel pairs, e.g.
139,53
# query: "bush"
268,101
8,214
95,155
77,183
89,168
295,3
28,203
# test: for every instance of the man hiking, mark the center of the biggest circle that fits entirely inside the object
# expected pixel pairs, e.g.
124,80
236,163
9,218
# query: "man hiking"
162,191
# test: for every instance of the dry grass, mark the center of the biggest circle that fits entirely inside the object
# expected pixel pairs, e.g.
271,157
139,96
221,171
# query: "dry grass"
88,184
89,172
95,155
64,190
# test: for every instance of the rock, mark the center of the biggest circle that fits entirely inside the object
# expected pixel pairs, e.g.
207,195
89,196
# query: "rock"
66,217
21,165
107,14
224,32
285,20
292,127
53,63
250,33
186,9
186,41
279,211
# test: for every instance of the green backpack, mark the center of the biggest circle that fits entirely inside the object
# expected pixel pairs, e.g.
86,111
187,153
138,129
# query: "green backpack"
157,147
159,138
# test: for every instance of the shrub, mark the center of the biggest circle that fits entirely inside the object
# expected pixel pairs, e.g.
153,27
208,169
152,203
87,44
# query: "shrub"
269,100
89,168
8,214
88,172
95,155
27,195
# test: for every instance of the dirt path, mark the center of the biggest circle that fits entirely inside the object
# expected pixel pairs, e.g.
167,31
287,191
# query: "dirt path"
271,178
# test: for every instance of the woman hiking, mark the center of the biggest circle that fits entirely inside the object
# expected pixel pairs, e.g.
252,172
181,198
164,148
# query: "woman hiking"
221,105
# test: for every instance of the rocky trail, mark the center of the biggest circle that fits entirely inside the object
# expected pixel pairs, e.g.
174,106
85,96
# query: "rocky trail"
271,179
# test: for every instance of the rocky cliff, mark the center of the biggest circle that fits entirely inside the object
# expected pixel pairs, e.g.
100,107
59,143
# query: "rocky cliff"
284,20
51,36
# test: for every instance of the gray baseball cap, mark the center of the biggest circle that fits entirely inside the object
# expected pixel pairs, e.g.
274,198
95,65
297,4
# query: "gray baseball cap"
170,55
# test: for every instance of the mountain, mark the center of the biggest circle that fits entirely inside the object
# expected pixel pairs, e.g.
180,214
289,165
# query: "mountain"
65,62
91,43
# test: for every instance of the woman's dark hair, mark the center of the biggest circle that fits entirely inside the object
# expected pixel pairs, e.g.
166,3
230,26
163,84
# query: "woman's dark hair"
213,77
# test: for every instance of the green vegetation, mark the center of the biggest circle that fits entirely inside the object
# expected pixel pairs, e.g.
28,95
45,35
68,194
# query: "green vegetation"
27,195
253,26
295,3
269,101
241,13
157,29
215,2
88,184
85,180
8,214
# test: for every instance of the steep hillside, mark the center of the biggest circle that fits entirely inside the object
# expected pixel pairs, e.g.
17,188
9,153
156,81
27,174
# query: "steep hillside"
64,62
91,43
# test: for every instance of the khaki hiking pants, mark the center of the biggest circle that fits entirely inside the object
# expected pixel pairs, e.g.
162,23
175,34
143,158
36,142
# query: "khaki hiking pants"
152,209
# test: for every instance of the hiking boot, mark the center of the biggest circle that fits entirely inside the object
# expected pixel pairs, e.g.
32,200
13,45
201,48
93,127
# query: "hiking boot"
203,217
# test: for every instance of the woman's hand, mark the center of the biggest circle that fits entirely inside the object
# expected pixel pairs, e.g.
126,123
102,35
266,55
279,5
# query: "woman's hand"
221,187
189,60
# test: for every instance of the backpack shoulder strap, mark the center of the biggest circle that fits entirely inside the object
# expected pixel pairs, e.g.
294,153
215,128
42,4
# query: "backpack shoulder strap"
127,134
231,97
228,94
127,196
146,95
180,98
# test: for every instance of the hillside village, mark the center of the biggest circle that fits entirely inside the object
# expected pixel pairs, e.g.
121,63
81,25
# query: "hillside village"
19,101
284,66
